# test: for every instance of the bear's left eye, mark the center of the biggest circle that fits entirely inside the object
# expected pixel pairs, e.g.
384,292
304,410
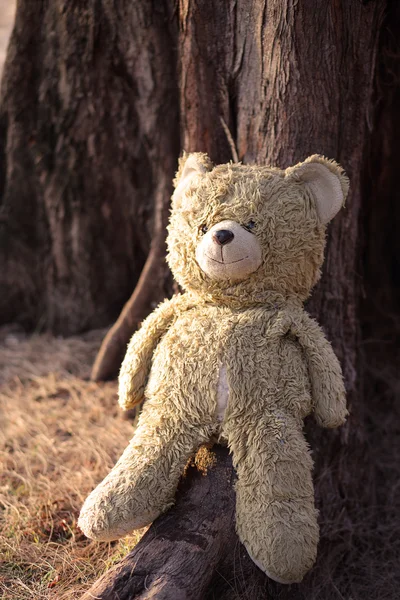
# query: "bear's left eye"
250,225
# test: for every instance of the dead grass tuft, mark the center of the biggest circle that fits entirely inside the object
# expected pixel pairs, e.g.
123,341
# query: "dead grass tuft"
203,460
60,434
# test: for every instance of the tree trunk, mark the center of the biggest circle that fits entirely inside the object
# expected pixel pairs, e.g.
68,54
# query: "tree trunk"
90,115
85,155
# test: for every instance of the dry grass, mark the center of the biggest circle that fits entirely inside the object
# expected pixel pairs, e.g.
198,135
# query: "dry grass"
59,435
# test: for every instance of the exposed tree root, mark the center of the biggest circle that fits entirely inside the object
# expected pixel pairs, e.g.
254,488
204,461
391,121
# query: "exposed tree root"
192,552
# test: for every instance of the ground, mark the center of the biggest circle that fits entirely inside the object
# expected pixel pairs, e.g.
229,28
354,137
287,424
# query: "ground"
60,434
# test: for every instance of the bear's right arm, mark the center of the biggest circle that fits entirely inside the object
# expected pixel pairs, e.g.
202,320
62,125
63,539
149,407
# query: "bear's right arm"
136,365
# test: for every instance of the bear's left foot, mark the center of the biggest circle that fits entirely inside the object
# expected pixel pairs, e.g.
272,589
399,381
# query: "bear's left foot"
283,543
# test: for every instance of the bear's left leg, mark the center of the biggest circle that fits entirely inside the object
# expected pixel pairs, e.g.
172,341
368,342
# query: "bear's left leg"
142,484
275,514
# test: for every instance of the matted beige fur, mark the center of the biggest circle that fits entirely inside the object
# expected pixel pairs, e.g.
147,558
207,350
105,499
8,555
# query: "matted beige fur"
234,358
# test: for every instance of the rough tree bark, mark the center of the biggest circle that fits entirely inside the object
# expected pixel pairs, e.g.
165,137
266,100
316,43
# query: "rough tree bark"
85,154
288,81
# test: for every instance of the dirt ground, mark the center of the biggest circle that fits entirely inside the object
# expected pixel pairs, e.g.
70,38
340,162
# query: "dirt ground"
59,435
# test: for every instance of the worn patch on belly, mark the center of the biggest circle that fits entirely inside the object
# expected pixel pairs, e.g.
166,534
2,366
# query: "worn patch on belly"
222,393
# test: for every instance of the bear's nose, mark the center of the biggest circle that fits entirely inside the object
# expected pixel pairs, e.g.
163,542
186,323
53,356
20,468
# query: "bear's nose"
223,236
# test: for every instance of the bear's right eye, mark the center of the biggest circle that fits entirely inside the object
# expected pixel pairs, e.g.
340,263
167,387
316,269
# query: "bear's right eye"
203,228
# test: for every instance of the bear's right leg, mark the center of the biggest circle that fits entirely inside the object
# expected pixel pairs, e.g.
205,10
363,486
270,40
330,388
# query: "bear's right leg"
142,484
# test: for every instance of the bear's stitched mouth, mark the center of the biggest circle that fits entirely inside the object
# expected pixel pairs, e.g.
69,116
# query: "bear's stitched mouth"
221,262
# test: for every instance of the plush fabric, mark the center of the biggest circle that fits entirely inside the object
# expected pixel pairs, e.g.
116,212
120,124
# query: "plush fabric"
235,358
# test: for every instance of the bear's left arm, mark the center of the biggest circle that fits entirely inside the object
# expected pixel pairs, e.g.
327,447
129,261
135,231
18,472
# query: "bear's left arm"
327,386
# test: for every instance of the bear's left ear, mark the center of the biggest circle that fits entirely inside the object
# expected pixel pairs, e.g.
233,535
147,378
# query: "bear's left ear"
190,166
326,181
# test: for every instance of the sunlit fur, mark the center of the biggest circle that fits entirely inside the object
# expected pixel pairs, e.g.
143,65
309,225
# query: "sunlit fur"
278,364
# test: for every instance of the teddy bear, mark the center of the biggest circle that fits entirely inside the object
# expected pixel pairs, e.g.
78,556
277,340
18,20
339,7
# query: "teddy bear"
234,358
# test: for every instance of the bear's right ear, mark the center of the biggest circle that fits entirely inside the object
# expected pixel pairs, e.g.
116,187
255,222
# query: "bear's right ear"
190,166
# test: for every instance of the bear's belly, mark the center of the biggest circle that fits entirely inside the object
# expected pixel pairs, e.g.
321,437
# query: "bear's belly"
213,364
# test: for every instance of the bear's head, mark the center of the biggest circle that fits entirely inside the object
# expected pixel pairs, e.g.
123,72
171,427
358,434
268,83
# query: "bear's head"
245,235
